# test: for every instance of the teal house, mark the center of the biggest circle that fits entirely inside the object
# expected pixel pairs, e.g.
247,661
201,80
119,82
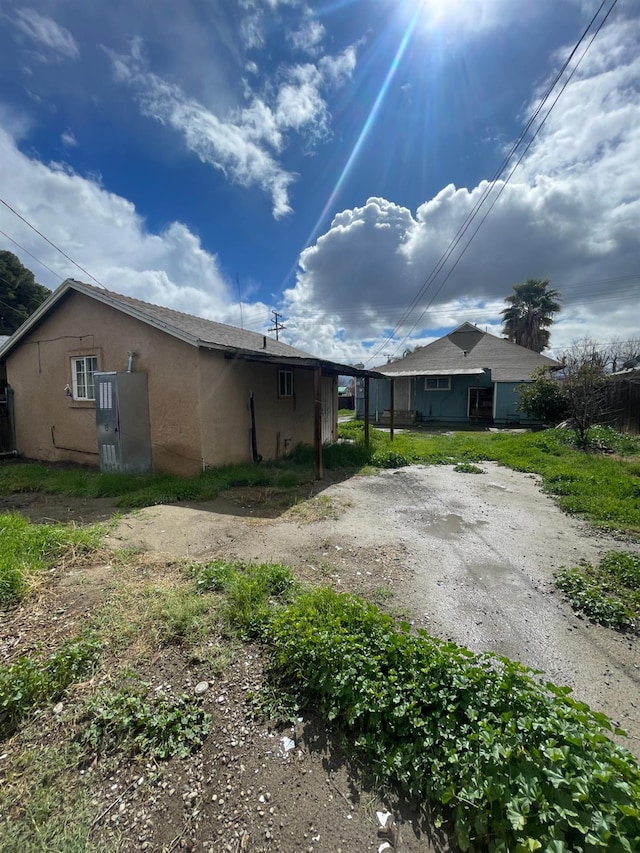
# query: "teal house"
467,376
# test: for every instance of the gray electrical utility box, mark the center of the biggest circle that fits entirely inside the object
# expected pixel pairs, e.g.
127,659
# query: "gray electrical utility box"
122,421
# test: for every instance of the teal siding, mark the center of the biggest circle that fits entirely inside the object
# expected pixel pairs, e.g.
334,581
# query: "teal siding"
450,406
506,404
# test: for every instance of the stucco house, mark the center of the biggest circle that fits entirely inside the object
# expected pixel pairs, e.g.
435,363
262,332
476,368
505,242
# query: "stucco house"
467,376
104,379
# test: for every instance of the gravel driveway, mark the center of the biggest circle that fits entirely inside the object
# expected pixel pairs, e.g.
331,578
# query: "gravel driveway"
469,557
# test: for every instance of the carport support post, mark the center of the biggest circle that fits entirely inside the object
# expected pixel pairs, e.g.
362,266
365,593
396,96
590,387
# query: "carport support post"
317,419
392,405
366,412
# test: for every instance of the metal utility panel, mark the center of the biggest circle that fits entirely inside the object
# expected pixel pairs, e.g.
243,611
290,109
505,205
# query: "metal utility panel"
122,421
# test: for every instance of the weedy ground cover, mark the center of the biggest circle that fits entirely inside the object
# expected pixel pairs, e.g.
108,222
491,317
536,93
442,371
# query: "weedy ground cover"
129,721
506,763
568,473
509,764
27,551
28,683
138,490
608,593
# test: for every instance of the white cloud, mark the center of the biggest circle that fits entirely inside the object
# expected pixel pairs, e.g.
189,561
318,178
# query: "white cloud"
46,33
308,37
570,213
68,139
103,233
243,143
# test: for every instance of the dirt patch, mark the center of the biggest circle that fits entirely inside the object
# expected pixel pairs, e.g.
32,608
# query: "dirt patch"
468,557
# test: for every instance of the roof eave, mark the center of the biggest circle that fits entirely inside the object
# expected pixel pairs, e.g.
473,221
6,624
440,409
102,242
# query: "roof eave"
299,361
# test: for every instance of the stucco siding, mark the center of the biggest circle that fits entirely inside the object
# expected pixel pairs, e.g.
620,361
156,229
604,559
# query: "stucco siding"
281,423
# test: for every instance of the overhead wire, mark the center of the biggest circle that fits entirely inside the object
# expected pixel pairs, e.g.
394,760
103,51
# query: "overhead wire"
509,176
31,255
51,243
489,189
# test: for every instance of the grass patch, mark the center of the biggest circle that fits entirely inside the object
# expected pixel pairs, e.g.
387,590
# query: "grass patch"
604,488
28,550
467,468
608,593
319,508
252,593
507,763
43,806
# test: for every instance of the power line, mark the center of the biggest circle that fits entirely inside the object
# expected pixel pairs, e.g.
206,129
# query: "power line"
51,243
42,263
277,326
509,176
485,195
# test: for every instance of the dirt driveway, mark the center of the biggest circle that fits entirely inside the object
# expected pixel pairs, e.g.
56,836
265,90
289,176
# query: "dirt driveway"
468,557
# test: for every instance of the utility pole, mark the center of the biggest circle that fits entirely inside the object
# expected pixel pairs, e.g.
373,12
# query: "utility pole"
277,326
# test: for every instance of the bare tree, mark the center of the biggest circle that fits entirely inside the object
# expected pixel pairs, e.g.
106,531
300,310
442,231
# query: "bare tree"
584,382
624,352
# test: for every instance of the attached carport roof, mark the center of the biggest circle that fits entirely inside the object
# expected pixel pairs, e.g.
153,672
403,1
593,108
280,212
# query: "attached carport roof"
458,371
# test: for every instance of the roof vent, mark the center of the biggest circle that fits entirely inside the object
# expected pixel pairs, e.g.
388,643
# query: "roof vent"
264,342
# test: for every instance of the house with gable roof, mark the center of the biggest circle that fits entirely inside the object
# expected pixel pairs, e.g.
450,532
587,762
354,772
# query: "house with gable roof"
99,378
467,376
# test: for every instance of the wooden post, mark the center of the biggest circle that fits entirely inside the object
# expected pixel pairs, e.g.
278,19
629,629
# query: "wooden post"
366,412
392,406
317,419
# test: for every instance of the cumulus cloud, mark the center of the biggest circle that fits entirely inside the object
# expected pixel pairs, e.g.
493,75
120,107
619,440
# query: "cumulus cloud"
104,233
570,213
46,33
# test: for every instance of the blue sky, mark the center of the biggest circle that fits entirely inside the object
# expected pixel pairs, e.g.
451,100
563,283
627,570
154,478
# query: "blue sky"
230,158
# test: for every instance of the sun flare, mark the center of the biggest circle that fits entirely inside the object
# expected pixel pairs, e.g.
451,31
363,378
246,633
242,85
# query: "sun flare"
435,13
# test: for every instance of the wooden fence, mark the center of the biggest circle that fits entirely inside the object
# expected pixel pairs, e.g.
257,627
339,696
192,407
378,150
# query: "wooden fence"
624,403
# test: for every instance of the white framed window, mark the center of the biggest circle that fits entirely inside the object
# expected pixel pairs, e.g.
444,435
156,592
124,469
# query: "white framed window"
82,370
285,383
437,383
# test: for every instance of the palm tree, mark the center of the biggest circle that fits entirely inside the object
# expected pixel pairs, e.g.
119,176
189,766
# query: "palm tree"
531,311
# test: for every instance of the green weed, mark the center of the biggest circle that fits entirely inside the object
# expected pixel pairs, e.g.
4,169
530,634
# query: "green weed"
43,807
509,764
128,721
467,468
28,550
608,593
27,684
181,616
251,593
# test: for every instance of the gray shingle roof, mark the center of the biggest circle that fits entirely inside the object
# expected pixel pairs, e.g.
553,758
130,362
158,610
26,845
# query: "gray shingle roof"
465,350
195,330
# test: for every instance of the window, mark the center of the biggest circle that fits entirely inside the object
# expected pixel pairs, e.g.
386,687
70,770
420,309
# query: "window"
82,370
437,383
285,383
